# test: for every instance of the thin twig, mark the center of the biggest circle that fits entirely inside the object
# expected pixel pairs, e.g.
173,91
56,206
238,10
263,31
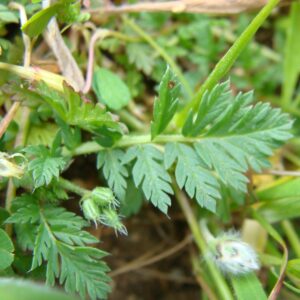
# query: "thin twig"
167,276
218,7
281,173
25,37
26,62
8,117
136,264
11,189
200,279
99,34
223,289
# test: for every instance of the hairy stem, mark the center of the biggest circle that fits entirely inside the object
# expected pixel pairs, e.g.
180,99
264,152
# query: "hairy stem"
21,136
131,140
72,187
24,123
224,65
220,283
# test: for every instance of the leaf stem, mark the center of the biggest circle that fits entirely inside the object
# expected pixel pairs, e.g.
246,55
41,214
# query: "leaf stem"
227,61
131,140
161,52
220,283
25,111
72,187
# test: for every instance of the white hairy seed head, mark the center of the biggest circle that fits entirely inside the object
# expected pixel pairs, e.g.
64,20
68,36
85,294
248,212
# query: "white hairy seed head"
232,255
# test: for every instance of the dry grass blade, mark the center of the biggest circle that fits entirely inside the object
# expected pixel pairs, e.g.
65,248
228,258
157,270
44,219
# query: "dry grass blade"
220,7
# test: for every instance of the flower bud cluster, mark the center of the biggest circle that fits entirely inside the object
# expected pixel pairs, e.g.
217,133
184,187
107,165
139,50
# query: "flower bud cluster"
232,255
100,206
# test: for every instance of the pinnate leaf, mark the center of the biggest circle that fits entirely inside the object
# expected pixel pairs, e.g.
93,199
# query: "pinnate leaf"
166,104
235,134
110,89
114,172
45,166
191,174
75,111
61,242
150,174
142,56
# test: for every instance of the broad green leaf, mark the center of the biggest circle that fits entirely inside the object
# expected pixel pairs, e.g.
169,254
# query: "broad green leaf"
13,288
6,249
166,104
281,188
110,89
150,174
293,267
279,209
248,287
42,134
114,172
192,175
39,21
291,68
7,15
280,200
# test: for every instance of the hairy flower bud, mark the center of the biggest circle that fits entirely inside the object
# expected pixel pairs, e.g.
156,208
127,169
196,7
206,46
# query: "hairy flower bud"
100,205
8,168
104,196
90,210
232,255
109,217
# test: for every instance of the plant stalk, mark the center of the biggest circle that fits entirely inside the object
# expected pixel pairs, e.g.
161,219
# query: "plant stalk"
224,65
220,283
72,187
131,140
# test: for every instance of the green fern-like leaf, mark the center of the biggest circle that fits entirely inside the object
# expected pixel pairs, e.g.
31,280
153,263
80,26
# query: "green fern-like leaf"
235,134
191,174
61,242
212,105
75,111
149,172
45,166
166,104
114,172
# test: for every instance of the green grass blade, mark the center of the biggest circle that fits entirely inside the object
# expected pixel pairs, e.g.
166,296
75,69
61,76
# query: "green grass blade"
291,68
248,287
